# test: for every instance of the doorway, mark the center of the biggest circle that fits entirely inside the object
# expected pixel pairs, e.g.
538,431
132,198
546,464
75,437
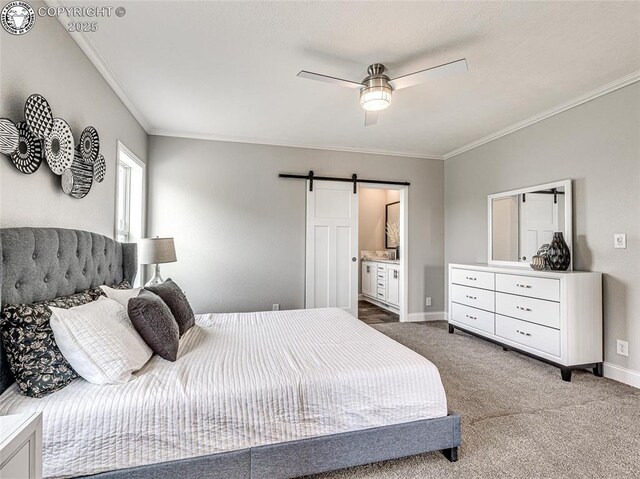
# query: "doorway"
334,260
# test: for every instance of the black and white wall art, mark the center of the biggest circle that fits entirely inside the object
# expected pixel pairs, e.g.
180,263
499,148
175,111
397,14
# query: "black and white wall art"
41,136
29,154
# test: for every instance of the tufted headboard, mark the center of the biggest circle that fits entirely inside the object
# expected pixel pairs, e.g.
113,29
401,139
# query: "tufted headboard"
44,263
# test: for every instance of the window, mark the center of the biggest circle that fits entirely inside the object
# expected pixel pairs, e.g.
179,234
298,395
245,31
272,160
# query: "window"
130,204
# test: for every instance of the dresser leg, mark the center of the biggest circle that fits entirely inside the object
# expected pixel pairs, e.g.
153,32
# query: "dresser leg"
597,370
566,374
451,329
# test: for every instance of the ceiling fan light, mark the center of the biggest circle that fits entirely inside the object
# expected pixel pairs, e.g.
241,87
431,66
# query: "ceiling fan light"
375,98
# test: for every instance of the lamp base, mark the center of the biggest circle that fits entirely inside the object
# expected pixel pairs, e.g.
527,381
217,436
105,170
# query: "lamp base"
157,279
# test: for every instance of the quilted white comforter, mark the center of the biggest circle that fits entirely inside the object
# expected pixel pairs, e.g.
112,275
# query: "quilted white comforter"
241,380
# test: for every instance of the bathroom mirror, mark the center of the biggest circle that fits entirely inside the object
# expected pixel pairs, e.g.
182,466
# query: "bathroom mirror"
391,216
521,221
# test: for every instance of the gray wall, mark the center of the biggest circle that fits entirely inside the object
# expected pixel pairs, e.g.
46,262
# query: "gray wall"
47,60
240,230
598,146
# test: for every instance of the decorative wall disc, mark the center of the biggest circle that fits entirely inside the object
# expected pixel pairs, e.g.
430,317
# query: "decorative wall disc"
58,146
39,116
29,154
8,136
89,144
99,169
77,180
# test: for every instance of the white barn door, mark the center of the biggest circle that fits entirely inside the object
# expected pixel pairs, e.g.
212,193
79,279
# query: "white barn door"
538,221
332,246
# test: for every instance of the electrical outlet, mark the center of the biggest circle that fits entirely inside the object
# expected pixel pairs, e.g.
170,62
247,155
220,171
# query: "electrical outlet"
623,348
620,240
428,301
276,307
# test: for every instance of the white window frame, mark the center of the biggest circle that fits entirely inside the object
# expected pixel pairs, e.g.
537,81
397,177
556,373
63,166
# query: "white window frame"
125,156
123,229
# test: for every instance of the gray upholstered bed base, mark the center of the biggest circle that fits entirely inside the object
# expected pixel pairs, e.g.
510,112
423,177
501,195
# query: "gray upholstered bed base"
44,263
311,456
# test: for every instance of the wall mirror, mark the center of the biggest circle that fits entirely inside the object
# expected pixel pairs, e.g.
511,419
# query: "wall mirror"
391,216
521,221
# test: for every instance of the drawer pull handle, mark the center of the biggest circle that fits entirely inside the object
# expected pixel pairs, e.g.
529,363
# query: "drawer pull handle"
470,317
523,333
470,278
470,297
528,310
527,286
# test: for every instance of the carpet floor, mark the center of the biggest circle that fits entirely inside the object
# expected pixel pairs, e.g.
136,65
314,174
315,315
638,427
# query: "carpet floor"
519,419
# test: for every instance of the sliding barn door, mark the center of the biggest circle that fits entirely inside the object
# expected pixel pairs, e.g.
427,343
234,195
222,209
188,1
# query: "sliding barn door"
332,246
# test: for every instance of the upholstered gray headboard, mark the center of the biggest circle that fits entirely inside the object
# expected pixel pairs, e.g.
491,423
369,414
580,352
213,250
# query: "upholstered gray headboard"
44,263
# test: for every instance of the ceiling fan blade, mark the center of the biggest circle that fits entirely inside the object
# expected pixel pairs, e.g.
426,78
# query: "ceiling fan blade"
432,73
328,79
370,118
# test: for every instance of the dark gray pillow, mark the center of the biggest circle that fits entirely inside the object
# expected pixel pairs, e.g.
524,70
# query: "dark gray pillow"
154,322
171,294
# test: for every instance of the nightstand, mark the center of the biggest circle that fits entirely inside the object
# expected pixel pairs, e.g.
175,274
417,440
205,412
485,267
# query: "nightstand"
21,446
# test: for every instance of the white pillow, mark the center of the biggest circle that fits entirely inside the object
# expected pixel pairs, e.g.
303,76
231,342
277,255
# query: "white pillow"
99,341
122,296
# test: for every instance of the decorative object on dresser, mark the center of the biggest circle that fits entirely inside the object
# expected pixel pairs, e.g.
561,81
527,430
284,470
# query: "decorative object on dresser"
21,446
549,315
42,136
157,251
538,263
558,256
522,221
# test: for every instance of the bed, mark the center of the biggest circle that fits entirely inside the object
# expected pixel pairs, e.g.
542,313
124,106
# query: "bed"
252,395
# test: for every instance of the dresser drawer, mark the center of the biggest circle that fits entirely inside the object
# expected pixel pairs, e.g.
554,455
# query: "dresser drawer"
478,298
543,288
528,334
476,318
539,311
476,279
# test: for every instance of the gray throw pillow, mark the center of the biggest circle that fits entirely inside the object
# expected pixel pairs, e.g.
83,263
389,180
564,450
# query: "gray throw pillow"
173,296
154,322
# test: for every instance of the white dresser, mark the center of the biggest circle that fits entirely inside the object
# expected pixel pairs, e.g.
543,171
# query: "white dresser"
21,446
381,282
554,316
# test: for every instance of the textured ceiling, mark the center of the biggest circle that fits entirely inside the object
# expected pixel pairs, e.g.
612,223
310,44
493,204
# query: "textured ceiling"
228,70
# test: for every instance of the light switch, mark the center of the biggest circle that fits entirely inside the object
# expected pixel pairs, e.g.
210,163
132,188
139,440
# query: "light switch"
620,240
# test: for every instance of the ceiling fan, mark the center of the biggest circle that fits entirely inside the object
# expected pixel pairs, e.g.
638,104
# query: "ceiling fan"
377,88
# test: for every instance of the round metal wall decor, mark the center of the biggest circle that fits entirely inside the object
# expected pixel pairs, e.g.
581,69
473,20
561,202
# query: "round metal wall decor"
77,180
39,116
58,146
99,169
89,144
8,136
29,154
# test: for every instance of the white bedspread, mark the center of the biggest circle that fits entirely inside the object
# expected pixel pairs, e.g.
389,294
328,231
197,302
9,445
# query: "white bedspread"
241,380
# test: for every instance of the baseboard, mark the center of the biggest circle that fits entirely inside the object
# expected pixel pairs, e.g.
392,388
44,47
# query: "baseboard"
435,316
623,375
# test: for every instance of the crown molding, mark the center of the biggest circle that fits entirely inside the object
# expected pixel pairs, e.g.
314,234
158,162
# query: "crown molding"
592,95
260,141
98,61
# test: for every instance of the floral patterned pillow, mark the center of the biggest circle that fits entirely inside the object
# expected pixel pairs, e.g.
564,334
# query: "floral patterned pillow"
34,358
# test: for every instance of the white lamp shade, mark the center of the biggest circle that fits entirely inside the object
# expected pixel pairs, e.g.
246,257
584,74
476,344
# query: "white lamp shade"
157,250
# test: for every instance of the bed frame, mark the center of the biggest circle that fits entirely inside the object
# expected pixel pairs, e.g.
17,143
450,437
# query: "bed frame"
44,263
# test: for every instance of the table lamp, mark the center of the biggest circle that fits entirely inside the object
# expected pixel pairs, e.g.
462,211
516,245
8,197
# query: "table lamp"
157,251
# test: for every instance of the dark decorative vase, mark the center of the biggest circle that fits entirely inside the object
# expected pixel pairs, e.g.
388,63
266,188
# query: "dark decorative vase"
559,256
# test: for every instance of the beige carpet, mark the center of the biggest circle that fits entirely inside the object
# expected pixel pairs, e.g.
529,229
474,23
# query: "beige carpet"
519,419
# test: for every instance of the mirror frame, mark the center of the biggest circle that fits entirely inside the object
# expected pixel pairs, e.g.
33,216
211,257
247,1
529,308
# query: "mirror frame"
386,222
568,219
